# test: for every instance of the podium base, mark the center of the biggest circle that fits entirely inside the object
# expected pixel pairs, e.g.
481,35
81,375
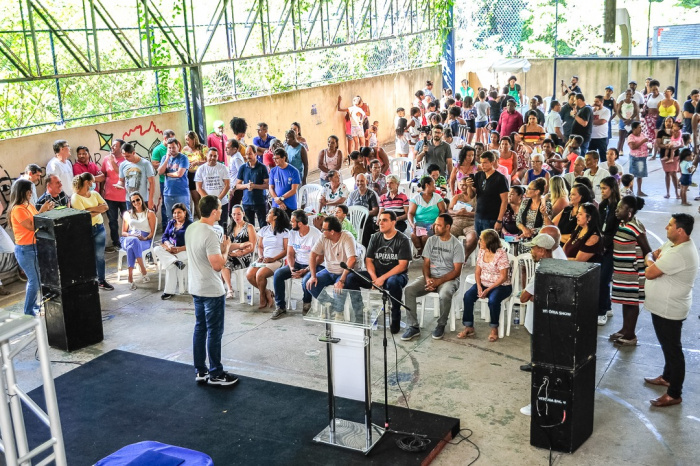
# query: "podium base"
351,435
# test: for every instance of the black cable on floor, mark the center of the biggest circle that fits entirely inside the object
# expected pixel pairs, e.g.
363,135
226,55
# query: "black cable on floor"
36,356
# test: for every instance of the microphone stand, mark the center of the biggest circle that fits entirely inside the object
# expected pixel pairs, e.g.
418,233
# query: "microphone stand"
385,297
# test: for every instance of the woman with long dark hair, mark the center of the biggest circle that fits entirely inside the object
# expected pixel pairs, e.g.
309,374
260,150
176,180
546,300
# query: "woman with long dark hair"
534,212
467,166
22,214
172,252
610,194
272,249
585,243
243,239
138,227
630,247
566,220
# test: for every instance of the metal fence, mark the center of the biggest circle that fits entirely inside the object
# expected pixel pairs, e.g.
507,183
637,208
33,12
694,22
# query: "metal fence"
133,58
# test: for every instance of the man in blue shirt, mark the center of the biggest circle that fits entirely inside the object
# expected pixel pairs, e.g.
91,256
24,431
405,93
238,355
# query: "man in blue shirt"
174,166
263,139
253,180
284,182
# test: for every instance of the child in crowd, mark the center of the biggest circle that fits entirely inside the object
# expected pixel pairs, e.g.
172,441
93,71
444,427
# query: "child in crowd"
687,169
627,181
402,139
414,127
356,165
440,181
611,157
615,173
401,113
373,135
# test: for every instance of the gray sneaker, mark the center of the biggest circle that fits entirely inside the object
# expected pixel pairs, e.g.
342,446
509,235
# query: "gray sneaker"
279,312
439,332
410,333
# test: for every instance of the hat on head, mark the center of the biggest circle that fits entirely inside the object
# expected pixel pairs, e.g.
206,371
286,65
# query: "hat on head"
542,240
608,87
632,82
218,124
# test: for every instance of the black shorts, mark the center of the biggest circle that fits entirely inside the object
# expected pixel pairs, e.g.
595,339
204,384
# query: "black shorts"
471,126
190,178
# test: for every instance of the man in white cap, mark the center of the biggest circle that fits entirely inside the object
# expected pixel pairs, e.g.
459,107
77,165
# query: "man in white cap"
553,231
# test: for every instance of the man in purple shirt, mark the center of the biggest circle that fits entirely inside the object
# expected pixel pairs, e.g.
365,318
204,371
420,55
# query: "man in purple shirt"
510,121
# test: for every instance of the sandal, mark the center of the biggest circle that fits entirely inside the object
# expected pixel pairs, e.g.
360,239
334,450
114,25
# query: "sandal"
466,333
494,335
229,295
615,336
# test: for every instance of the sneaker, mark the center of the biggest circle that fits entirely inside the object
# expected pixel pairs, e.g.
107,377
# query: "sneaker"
105,286
201,377
166,296
225,379
305,309
609,313
111,249
132,286
279,312
180,265
602,320
526,410
410,333
439,332
149,258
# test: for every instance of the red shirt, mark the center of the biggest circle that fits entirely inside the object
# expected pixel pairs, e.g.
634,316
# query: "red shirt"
509,123
219,142
91,168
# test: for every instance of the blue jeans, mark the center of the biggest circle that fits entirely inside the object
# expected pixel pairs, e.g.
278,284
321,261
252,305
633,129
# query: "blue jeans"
259,210
481,224
26,258
99,236
170,201
281,276
394,285
116,209
208,329
495,297
606,273
163,214
324,278
584,146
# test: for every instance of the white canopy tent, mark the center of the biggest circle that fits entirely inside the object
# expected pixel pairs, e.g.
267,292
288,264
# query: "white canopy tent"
509,66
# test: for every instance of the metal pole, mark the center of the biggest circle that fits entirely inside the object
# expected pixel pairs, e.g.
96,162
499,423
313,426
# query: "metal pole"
556,28
58,83
160,108
648,28
188,110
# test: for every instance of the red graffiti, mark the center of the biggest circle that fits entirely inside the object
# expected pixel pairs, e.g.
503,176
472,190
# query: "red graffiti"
152,126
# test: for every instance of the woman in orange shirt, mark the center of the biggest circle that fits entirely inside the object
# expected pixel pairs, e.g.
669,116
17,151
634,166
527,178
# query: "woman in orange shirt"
22,214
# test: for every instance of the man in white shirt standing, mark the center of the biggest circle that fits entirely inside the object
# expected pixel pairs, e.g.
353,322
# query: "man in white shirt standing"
301,241
553,123
61,166
670,274
599,136
213,178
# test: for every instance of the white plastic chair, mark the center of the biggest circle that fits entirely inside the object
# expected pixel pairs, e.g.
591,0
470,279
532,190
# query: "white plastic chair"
358,216
399,166
309,196
122,252
454,308
525,266
183,286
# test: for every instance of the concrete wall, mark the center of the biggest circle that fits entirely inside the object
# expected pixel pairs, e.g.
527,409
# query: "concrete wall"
594,75
383,94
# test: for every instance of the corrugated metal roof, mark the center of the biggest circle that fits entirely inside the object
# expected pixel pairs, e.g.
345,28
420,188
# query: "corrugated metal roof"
680,40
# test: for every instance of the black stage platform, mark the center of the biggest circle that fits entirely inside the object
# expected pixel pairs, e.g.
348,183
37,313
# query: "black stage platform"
122,398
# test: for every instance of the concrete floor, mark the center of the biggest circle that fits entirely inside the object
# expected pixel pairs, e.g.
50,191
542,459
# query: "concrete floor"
476,381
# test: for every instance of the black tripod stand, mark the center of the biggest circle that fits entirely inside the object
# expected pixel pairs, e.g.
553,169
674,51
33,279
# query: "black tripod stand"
385,298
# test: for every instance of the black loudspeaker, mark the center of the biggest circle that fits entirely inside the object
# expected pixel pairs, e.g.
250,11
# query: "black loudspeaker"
562,406
73,316
65,248
566,313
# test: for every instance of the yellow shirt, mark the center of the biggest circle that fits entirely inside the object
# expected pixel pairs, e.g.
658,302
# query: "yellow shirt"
83,203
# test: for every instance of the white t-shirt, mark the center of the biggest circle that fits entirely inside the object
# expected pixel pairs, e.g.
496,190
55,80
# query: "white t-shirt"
357,115
64,172
456,146
670,295
596,179
600,131
637,97
303,245
335,253
202,241
273,244
212,179
552,122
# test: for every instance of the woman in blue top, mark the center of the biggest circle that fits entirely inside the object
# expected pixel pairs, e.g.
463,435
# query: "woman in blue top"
297,156
423,210
172,252
537,171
